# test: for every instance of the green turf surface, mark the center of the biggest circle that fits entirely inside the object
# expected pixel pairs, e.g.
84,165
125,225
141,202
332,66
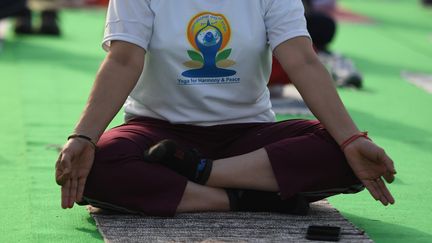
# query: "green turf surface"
44,83
398,114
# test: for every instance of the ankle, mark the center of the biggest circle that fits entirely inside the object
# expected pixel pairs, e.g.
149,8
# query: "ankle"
186,162
203,171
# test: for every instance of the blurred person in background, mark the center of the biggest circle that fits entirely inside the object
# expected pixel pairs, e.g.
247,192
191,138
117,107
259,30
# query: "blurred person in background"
11,7
48,18
427,2
322,27
8,8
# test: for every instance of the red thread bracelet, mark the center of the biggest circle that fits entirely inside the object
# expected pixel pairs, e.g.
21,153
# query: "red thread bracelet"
353,138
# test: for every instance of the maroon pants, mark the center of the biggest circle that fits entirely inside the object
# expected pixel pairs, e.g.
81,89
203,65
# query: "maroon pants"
304,158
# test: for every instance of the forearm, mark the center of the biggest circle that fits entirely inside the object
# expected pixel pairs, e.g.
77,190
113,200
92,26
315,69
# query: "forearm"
114,81
316,87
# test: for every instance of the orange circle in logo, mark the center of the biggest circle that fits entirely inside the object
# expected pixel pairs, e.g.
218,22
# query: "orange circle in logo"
201,20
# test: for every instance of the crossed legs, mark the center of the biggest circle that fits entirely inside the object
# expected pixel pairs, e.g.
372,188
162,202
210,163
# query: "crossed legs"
122,178
248,171
234,172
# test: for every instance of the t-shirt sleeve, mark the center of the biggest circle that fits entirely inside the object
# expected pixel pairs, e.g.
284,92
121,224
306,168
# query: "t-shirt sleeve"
284,19
130,21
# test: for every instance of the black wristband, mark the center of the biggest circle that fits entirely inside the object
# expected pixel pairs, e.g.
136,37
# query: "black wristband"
83,137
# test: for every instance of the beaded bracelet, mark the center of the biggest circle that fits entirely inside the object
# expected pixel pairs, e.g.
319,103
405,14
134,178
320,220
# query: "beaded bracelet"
353,138
83,137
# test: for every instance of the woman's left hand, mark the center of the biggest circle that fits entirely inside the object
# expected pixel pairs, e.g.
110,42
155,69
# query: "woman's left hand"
371,164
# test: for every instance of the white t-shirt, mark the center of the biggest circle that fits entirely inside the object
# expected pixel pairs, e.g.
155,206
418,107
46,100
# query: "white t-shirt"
208,61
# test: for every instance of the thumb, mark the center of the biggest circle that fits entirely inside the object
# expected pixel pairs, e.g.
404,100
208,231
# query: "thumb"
388,162
391,171
377,155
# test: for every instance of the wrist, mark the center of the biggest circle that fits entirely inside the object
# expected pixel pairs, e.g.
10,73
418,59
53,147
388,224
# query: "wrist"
83,137
89,133
353,138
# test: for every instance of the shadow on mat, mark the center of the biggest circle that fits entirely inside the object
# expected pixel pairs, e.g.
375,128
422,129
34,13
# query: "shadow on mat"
387,232
409,135
29,49
92,232
372,66
382,127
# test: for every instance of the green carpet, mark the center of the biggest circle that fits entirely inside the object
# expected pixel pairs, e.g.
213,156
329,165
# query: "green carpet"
44,83
397,114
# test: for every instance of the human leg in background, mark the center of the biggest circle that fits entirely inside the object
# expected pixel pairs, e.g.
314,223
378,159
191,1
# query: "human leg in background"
427,3
23,22
49,15
10,8
49,18
322,28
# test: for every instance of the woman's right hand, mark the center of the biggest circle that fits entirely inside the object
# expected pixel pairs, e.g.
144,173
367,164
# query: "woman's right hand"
124,63
72,168
372,166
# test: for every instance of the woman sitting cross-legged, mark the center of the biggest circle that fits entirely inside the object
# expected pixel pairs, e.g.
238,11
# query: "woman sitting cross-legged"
199,131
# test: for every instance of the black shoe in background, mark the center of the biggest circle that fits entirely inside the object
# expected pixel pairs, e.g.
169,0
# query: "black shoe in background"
49,24
23,22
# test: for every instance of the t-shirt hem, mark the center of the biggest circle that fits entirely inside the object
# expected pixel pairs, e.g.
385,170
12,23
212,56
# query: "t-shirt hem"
258,119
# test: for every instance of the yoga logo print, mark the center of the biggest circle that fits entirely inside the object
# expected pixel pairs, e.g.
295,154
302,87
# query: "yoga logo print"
209,34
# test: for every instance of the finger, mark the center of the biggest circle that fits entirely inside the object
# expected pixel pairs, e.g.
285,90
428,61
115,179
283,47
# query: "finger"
379,191
382,199
385,191
63,169
58,161
65,194
80,191
373,190
380,195
385,195
62,177
389,177
73,192
383,157
66,162
60,180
